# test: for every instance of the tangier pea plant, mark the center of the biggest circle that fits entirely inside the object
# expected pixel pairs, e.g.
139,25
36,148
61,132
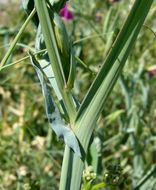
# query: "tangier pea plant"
55,65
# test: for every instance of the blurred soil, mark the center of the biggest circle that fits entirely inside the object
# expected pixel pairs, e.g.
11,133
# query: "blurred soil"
9,12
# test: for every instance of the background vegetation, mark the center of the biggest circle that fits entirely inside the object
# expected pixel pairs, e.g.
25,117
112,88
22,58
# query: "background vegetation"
30,153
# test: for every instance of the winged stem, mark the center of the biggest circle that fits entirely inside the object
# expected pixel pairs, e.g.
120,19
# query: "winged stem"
51,44
103,84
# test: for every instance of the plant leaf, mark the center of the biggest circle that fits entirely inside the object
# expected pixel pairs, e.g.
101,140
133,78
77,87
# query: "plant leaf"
113,116
53,114
54,56
102,86
147,180
44,62
28,6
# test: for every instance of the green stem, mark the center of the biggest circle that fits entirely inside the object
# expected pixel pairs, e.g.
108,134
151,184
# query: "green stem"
13,44
66,169
100,185
51,44
95,100
20,60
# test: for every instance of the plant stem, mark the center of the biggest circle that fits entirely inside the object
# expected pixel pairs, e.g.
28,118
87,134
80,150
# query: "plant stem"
53,52
95,100
100,185
13,44
22,59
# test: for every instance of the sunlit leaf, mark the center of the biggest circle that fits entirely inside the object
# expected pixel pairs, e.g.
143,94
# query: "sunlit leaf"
53,114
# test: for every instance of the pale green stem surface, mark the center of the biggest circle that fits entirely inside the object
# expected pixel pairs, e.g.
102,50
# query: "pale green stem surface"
51,44
95,99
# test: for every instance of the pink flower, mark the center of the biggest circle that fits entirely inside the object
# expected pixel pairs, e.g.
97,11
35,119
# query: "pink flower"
66,13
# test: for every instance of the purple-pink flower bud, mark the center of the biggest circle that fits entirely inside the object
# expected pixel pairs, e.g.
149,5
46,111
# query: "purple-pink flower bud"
66,13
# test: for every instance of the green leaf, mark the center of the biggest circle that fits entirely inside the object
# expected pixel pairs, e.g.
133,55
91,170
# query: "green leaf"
53,114
113,116
72,72
58,4
103,84
28,6
43,60
54,55
95,154
147,180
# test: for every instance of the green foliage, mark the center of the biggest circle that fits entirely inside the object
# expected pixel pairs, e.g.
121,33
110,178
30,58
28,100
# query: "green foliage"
30,153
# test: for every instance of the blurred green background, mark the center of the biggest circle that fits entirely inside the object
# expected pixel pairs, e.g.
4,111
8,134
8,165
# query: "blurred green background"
30,153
